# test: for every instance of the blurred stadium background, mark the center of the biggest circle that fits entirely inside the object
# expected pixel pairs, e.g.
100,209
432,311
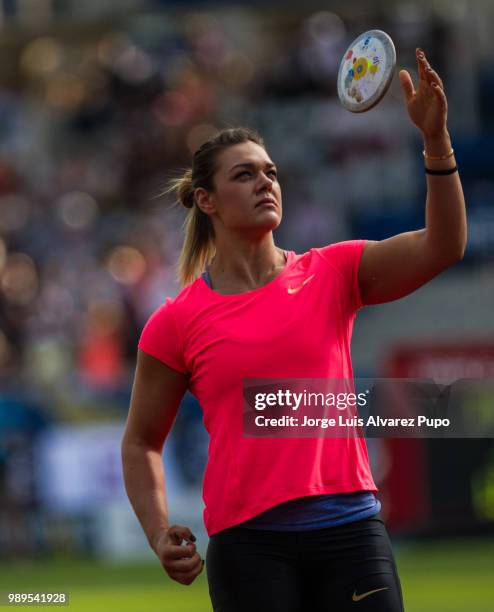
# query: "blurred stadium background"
101,103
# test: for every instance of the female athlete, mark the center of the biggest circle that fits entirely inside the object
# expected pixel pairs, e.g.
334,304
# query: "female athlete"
294,524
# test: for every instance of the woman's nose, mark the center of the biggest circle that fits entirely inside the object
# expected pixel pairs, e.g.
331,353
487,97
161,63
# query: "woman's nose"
266,182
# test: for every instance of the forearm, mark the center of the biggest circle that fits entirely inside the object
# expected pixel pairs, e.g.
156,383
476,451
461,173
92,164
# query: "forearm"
144,479
446,225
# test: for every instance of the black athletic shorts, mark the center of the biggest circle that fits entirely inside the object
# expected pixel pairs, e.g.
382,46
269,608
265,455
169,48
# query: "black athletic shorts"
336,569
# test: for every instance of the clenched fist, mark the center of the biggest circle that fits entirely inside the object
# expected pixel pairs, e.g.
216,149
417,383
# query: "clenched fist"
181,562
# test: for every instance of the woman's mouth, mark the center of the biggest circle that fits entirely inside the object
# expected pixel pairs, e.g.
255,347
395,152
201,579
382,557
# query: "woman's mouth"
270,202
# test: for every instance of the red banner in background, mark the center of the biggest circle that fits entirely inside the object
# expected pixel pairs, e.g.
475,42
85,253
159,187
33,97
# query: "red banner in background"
442,362
417,492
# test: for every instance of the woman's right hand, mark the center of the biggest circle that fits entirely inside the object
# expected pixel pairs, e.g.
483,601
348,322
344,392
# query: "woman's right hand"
181,562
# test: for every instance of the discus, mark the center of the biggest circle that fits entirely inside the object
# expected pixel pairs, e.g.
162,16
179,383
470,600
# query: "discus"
366,71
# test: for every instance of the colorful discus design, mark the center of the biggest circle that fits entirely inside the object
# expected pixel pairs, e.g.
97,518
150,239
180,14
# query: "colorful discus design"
366,71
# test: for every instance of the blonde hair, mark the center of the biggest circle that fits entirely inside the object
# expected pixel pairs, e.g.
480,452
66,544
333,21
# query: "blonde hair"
199,247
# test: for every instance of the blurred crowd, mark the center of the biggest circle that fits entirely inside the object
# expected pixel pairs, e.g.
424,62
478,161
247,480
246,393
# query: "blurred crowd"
96,117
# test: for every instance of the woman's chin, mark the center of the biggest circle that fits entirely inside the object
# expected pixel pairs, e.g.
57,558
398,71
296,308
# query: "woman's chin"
270,225
269,219
261,224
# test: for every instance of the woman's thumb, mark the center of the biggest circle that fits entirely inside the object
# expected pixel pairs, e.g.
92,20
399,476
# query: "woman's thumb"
406,84
177,533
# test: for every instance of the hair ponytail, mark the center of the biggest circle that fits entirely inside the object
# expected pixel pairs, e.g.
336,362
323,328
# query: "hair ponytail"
198,248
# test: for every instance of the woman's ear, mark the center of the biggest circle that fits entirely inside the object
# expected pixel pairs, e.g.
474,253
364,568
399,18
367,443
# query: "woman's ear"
204,200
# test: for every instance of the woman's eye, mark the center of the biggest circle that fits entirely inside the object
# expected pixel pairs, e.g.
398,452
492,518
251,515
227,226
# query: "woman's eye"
247,173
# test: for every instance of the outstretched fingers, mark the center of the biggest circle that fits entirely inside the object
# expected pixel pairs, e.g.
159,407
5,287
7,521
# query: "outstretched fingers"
431,77
426,73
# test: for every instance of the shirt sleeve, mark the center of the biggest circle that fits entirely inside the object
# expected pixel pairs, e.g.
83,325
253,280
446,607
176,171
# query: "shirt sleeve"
345,257
160,338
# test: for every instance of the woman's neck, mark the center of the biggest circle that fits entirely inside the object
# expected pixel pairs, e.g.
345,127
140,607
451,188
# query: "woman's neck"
244,270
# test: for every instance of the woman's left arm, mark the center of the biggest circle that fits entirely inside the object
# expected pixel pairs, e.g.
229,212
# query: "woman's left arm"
395,267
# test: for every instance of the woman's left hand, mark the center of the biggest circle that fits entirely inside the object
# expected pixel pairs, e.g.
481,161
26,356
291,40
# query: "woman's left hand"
427,106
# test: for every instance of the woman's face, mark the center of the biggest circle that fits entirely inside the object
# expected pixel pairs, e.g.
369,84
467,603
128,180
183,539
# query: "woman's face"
247,195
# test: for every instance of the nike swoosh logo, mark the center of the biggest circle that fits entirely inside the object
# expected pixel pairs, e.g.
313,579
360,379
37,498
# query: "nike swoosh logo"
296,289
356,597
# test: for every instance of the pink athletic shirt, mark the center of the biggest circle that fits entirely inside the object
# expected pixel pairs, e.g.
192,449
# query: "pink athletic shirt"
268,332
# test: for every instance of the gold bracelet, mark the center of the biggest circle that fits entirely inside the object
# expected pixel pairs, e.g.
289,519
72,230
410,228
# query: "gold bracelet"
437,158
